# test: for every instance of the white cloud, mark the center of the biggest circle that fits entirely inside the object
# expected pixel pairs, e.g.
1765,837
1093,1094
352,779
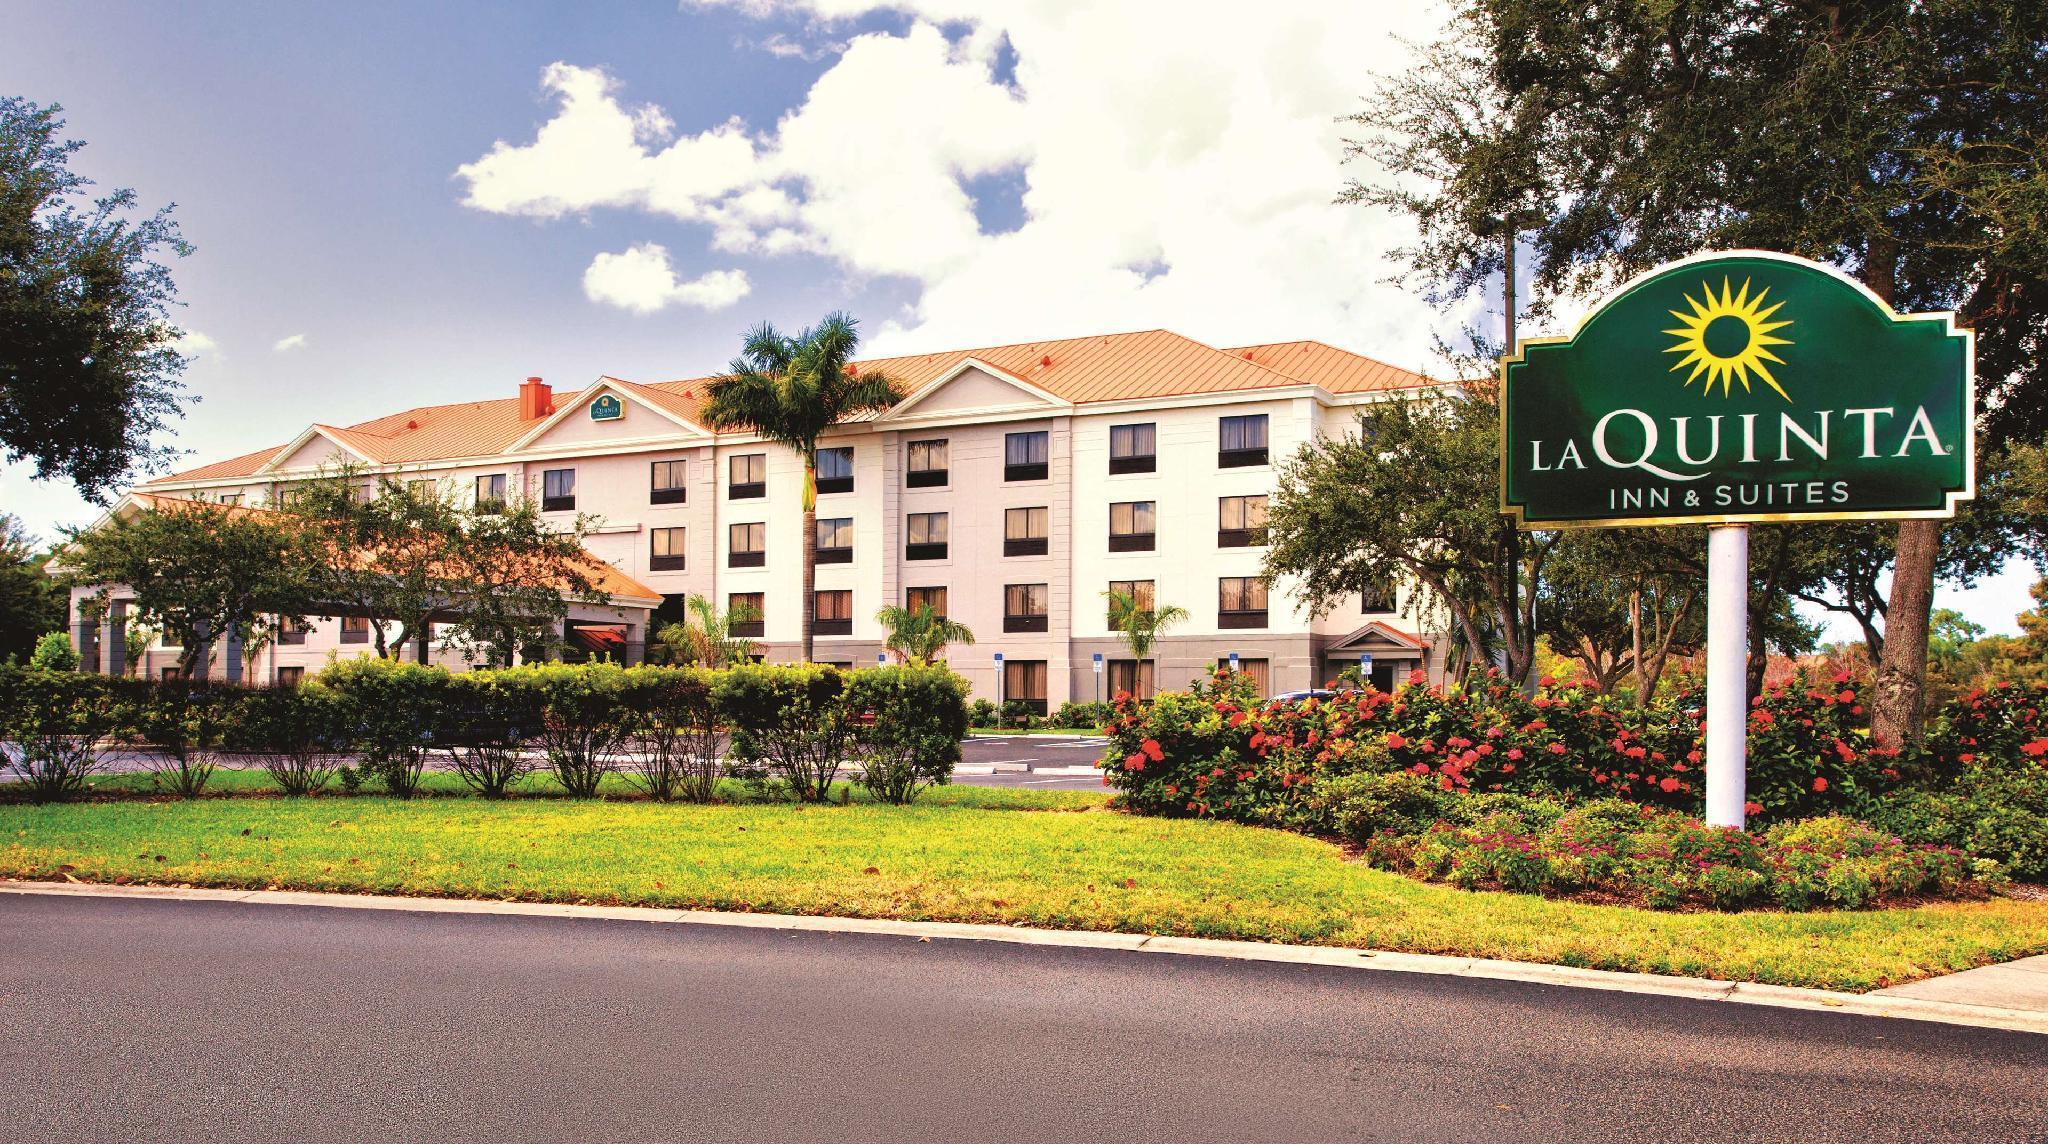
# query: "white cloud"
194,344
289,343
1171,176
641,279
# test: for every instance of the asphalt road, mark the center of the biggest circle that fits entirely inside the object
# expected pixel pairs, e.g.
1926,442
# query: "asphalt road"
133,1020
1051,752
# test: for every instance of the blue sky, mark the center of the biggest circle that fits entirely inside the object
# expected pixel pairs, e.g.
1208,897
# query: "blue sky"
403,204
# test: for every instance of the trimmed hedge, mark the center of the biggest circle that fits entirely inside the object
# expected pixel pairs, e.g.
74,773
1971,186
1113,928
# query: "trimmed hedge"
792,728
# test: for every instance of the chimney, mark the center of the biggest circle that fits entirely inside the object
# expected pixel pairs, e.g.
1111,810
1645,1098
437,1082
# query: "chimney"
536,399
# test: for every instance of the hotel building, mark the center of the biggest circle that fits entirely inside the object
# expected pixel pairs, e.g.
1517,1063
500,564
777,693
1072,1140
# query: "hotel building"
1012,488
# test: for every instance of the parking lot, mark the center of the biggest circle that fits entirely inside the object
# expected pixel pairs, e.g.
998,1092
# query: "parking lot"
1053,762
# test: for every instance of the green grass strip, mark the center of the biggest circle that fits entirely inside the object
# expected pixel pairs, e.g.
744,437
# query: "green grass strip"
969,854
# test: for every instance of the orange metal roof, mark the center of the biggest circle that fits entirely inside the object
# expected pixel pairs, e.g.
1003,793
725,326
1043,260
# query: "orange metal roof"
1104,367
1339,371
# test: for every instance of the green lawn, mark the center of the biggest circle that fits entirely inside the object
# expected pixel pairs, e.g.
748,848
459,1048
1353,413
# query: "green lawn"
967,854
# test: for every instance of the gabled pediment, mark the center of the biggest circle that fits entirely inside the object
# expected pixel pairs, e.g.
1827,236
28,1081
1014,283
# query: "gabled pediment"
1378,636
976,388
317,447
609,412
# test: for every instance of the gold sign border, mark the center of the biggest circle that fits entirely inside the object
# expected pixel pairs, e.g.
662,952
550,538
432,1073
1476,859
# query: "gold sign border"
1948,317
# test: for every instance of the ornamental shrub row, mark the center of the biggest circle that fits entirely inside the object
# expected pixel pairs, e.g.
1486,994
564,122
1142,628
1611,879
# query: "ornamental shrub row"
673,731
1217,750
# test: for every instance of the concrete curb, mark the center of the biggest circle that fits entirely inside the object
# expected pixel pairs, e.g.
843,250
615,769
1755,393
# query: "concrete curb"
1694,988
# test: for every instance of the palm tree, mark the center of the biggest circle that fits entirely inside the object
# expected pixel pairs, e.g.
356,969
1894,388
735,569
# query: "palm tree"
1141,626
790,390
706,638
920,635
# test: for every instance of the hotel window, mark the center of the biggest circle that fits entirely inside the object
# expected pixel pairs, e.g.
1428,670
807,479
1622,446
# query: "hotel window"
668,547
746,545
927,468
1241,441
420,490
835,540
558,490
1240,522
1024,531
1133,448
1376,597
1024,607
668,482
1132,526
1024,682
1026,456
746,614
1241,602
1131,675
835,470
915,598
925,536
1260,673
747,476
231,498
490,493
1140,592
290,631
290,676
355,629
834,613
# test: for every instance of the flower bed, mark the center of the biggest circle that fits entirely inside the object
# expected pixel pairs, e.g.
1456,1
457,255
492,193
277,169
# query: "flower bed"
1218,751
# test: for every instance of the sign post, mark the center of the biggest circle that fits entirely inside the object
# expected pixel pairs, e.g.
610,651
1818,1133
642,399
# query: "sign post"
1098,677
1729,389
999,685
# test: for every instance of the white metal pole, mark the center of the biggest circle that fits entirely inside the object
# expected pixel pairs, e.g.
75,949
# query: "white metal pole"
1727,672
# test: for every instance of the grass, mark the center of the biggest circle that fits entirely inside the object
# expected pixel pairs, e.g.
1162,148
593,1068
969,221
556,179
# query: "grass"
978,854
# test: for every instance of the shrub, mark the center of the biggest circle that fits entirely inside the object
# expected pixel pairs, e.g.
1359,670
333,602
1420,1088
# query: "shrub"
1019,715
2000,727
1991,815
488,729
175,730
1081,716
53,652
982,713
910,721
789,719
298,735
1662,858
678,738
393,711
584,718
50,726
1362,805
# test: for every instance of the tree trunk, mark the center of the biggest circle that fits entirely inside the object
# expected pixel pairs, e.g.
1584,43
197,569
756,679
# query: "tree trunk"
1902,674
810,549
1635,636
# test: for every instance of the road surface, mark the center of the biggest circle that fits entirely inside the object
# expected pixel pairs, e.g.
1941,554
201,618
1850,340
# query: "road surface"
147,1020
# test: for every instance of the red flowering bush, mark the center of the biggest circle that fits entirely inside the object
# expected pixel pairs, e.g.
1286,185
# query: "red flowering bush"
2001,727
1218,751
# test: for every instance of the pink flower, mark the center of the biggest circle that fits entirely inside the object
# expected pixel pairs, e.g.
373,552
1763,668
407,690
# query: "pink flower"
1819,785
1669,785
1395,742
1152,750
1514,752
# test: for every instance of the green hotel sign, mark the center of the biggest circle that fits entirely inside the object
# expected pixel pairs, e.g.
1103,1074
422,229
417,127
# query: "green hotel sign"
1739,387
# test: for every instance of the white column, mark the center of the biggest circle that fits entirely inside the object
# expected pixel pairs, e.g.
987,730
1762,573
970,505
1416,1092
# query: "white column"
1727,672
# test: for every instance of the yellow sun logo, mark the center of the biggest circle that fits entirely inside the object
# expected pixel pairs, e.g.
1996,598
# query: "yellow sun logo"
1728,338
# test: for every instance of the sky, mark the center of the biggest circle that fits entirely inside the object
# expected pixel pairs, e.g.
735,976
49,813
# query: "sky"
399,204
